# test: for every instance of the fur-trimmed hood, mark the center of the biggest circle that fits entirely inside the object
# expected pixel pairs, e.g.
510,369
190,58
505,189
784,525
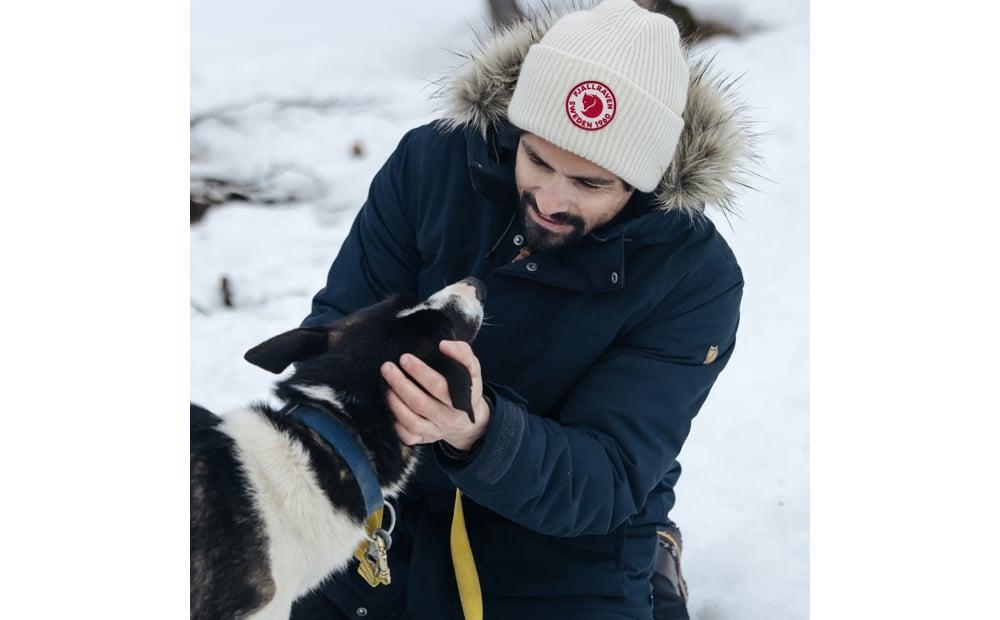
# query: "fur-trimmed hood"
716,149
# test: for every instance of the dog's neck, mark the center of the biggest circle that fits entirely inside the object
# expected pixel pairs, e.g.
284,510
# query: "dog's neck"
347,447
366,417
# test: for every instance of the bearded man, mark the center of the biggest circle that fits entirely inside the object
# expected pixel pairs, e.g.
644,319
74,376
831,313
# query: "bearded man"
570,173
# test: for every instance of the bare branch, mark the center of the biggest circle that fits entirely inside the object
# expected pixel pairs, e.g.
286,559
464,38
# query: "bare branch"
265,190
225,112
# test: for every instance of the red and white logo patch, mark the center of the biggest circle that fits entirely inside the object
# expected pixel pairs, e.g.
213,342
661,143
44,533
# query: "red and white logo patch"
591,105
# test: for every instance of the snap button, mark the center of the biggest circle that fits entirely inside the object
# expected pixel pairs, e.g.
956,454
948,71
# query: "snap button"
518,240
614,277
361,611
531,267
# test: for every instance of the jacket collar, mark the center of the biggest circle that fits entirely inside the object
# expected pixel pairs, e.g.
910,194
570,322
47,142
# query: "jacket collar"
597,262
491,163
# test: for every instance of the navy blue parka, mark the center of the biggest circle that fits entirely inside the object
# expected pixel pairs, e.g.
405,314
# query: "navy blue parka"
596,356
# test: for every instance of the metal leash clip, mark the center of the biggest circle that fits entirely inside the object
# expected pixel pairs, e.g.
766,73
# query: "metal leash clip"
373,564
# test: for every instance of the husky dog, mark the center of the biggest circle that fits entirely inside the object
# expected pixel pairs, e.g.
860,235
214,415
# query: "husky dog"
275,508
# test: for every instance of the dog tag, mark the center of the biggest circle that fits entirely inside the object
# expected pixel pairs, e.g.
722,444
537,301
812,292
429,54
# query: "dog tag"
373,559
373,566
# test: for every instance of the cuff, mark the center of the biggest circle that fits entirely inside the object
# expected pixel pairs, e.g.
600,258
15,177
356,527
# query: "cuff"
446,453
452,455
497,448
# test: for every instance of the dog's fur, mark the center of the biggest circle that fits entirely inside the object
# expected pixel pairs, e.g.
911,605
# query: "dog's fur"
716,154
274,509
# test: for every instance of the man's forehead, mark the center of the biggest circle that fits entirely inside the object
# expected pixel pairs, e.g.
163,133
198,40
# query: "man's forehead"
554,155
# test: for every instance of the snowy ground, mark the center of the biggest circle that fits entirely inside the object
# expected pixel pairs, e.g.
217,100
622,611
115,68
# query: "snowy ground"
289,87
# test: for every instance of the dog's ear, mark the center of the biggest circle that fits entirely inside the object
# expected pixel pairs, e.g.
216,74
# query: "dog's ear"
275,354
459,382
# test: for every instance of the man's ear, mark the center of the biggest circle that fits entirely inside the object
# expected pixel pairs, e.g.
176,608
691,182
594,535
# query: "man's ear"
275,354
459,382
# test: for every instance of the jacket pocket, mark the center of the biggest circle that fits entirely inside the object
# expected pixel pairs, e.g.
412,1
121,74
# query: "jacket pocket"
516,562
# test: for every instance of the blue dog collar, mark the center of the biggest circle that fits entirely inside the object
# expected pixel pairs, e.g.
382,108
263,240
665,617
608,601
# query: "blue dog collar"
341,440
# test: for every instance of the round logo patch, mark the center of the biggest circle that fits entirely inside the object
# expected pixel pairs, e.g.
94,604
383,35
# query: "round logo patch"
590,105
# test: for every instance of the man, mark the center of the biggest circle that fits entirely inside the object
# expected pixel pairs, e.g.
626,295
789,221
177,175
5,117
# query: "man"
564,177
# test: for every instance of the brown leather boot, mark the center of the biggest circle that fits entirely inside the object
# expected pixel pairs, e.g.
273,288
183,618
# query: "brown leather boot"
670,592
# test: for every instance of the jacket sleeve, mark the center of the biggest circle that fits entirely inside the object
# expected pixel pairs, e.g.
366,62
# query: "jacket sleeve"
380,255
619,430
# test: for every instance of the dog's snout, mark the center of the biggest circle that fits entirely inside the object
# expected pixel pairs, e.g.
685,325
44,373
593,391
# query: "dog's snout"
478,285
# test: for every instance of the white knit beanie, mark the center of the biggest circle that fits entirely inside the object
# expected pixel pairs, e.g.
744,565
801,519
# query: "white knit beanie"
608,84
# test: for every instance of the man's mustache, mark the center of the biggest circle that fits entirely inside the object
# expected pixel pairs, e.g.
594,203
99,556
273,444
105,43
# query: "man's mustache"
559,218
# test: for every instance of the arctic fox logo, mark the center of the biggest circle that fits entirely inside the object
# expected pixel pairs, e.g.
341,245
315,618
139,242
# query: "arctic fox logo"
591,105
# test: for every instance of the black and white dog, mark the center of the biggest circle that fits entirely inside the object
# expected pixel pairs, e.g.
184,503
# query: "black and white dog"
274,508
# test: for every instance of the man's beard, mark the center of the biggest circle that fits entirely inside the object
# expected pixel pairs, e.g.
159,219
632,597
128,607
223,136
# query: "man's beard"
538,238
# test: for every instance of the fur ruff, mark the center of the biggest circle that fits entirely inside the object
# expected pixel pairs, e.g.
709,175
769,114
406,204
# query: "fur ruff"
716,152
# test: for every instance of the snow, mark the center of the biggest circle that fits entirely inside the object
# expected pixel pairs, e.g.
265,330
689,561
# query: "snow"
285,90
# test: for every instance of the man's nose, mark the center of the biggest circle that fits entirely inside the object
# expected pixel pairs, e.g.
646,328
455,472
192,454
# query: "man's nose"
550,198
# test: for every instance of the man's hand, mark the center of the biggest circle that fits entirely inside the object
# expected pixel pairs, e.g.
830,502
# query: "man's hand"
426,417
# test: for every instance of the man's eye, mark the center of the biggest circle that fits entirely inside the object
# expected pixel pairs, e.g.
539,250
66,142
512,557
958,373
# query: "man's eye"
589,186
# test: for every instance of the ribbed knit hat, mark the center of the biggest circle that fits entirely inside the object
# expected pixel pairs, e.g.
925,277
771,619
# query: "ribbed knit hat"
608,84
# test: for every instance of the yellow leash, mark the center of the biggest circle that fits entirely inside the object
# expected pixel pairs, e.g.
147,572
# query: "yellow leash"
465,566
